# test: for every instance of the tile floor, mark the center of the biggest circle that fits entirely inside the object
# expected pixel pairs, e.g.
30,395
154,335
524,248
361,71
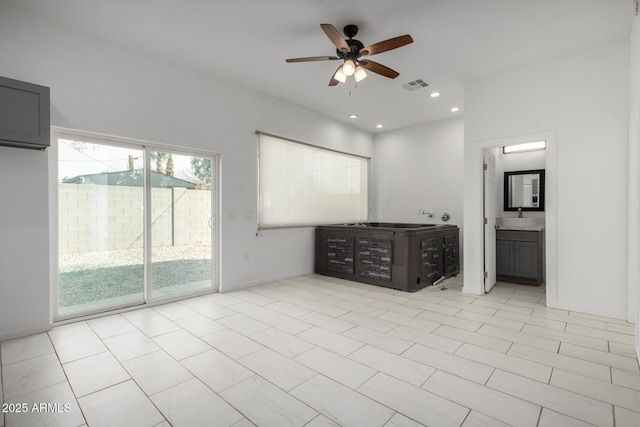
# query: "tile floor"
316,351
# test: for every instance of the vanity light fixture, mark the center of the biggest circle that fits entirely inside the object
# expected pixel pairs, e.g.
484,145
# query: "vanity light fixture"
353,116
435,94
528,146
455,109
378,125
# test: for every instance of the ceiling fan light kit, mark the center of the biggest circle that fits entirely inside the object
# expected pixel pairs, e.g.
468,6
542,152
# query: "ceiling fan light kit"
349,68
359,74
340,75
351,51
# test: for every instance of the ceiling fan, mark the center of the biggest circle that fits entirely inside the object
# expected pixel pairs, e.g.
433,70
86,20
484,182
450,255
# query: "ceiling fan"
355,54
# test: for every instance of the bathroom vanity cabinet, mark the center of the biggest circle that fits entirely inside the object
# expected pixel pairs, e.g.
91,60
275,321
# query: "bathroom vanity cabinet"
519,256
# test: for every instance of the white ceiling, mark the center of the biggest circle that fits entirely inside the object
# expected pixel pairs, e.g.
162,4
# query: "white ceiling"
247,41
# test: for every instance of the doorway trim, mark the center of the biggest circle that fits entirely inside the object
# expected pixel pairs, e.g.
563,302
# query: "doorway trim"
473,214
633,244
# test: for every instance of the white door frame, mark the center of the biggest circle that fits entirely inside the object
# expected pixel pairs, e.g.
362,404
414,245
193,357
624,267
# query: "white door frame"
473,213
489,214
633,249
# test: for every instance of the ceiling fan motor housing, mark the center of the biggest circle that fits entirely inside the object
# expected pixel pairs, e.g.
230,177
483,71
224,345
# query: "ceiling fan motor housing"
354,45
354,48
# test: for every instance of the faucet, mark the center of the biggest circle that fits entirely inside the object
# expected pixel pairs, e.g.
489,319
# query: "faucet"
519,212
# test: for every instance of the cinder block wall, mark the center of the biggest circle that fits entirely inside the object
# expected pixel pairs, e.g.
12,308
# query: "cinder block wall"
97,218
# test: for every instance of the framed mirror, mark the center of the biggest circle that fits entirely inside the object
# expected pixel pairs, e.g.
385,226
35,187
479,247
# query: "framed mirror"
524,189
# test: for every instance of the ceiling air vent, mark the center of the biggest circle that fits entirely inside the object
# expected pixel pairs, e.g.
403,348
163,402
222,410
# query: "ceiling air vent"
415,85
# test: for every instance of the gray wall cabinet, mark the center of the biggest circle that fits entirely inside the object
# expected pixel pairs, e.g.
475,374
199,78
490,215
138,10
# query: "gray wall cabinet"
24,115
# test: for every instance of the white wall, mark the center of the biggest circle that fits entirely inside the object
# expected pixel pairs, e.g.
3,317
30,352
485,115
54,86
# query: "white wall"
24,243
102,88
419,168
582,99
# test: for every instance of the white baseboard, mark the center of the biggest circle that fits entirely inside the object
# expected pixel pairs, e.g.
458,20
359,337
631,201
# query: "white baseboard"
224,288
596,311
24,332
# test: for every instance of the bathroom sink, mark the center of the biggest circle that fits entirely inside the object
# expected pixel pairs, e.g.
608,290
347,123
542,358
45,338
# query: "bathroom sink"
532,224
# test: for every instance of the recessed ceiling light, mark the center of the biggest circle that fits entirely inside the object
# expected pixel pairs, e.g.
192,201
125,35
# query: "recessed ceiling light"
378,126
435,94
455,109
353,116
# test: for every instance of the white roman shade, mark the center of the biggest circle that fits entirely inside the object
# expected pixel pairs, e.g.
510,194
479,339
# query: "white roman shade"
305,185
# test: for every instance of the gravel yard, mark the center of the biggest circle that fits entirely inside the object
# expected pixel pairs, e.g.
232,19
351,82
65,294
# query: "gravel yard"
94,276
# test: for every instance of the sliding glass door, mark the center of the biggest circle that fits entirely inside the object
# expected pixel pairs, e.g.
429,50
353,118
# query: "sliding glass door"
182,220
100,226
135,224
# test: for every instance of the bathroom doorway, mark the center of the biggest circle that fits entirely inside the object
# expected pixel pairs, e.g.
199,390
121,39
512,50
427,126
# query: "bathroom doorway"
475,271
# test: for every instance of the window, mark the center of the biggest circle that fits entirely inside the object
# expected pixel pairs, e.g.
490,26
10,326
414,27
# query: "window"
303,185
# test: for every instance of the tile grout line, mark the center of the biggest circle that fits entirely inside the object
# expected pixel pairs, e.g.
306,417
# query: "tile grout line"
131,378
67,379
348,356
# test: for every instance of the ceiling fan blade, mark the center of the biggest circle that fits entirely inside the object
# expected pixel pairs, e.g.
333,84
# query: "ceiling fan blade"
313,58
333,80
335,37
386,45
379,69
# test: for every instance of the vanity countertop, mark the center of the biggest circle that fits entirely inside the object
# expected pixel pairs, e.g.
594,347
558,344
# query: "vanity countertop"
520,224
